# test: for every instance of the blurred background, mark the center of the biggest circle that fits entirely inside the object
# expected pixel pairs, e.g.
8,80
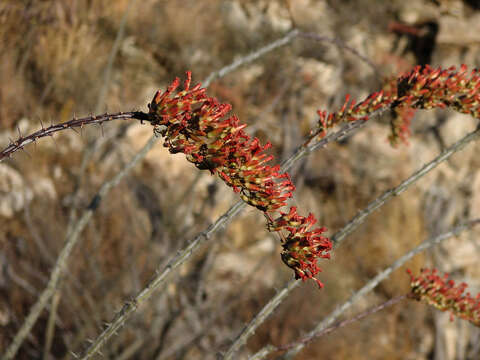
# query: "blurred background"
64,58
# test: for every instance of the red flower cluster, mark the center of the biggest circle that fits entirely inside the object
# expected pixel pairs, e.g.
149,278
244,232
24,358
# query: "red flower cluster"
445,295
302,247
421,88
200,127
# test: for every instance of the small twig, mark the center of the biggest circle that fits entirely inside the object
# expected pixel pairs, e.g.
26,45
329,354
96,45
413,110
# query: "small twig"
250,57
343,232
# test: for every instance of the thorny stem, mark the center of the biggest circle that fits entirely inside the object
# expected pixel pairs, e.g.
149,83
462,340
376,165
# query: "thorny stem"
21,142
340,235
372,284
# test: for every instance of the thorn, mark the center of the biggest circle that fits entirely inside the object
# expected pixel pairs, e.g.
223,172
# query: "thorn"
19,132
74,355
41,123
25,151
51,135
75,130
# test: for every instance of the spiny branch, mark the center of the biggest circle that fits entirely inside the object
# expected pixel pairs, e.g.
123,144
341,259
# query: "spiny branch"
22,141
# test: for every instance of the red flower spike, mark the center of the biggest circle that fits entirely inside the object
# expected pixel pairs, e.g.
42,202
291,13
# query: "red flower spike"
212,140
421,88
443,294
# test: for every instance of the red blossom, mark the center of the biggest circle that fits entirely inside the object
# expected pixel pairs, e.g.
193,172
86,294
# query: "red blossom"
421,88
201,128
443,294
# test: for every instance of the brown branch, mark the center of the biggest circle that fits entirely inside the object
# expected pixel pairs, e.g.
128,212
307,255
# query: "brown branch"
22,141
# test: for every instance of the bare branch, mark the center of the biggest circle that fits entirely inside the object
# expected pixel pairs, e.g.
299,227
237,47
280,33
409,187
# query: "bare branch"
338,237
251,57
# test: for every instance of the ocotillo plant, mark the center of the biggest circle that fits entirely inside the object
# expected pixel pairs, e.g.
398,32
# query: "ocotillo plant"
442,293
202,128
